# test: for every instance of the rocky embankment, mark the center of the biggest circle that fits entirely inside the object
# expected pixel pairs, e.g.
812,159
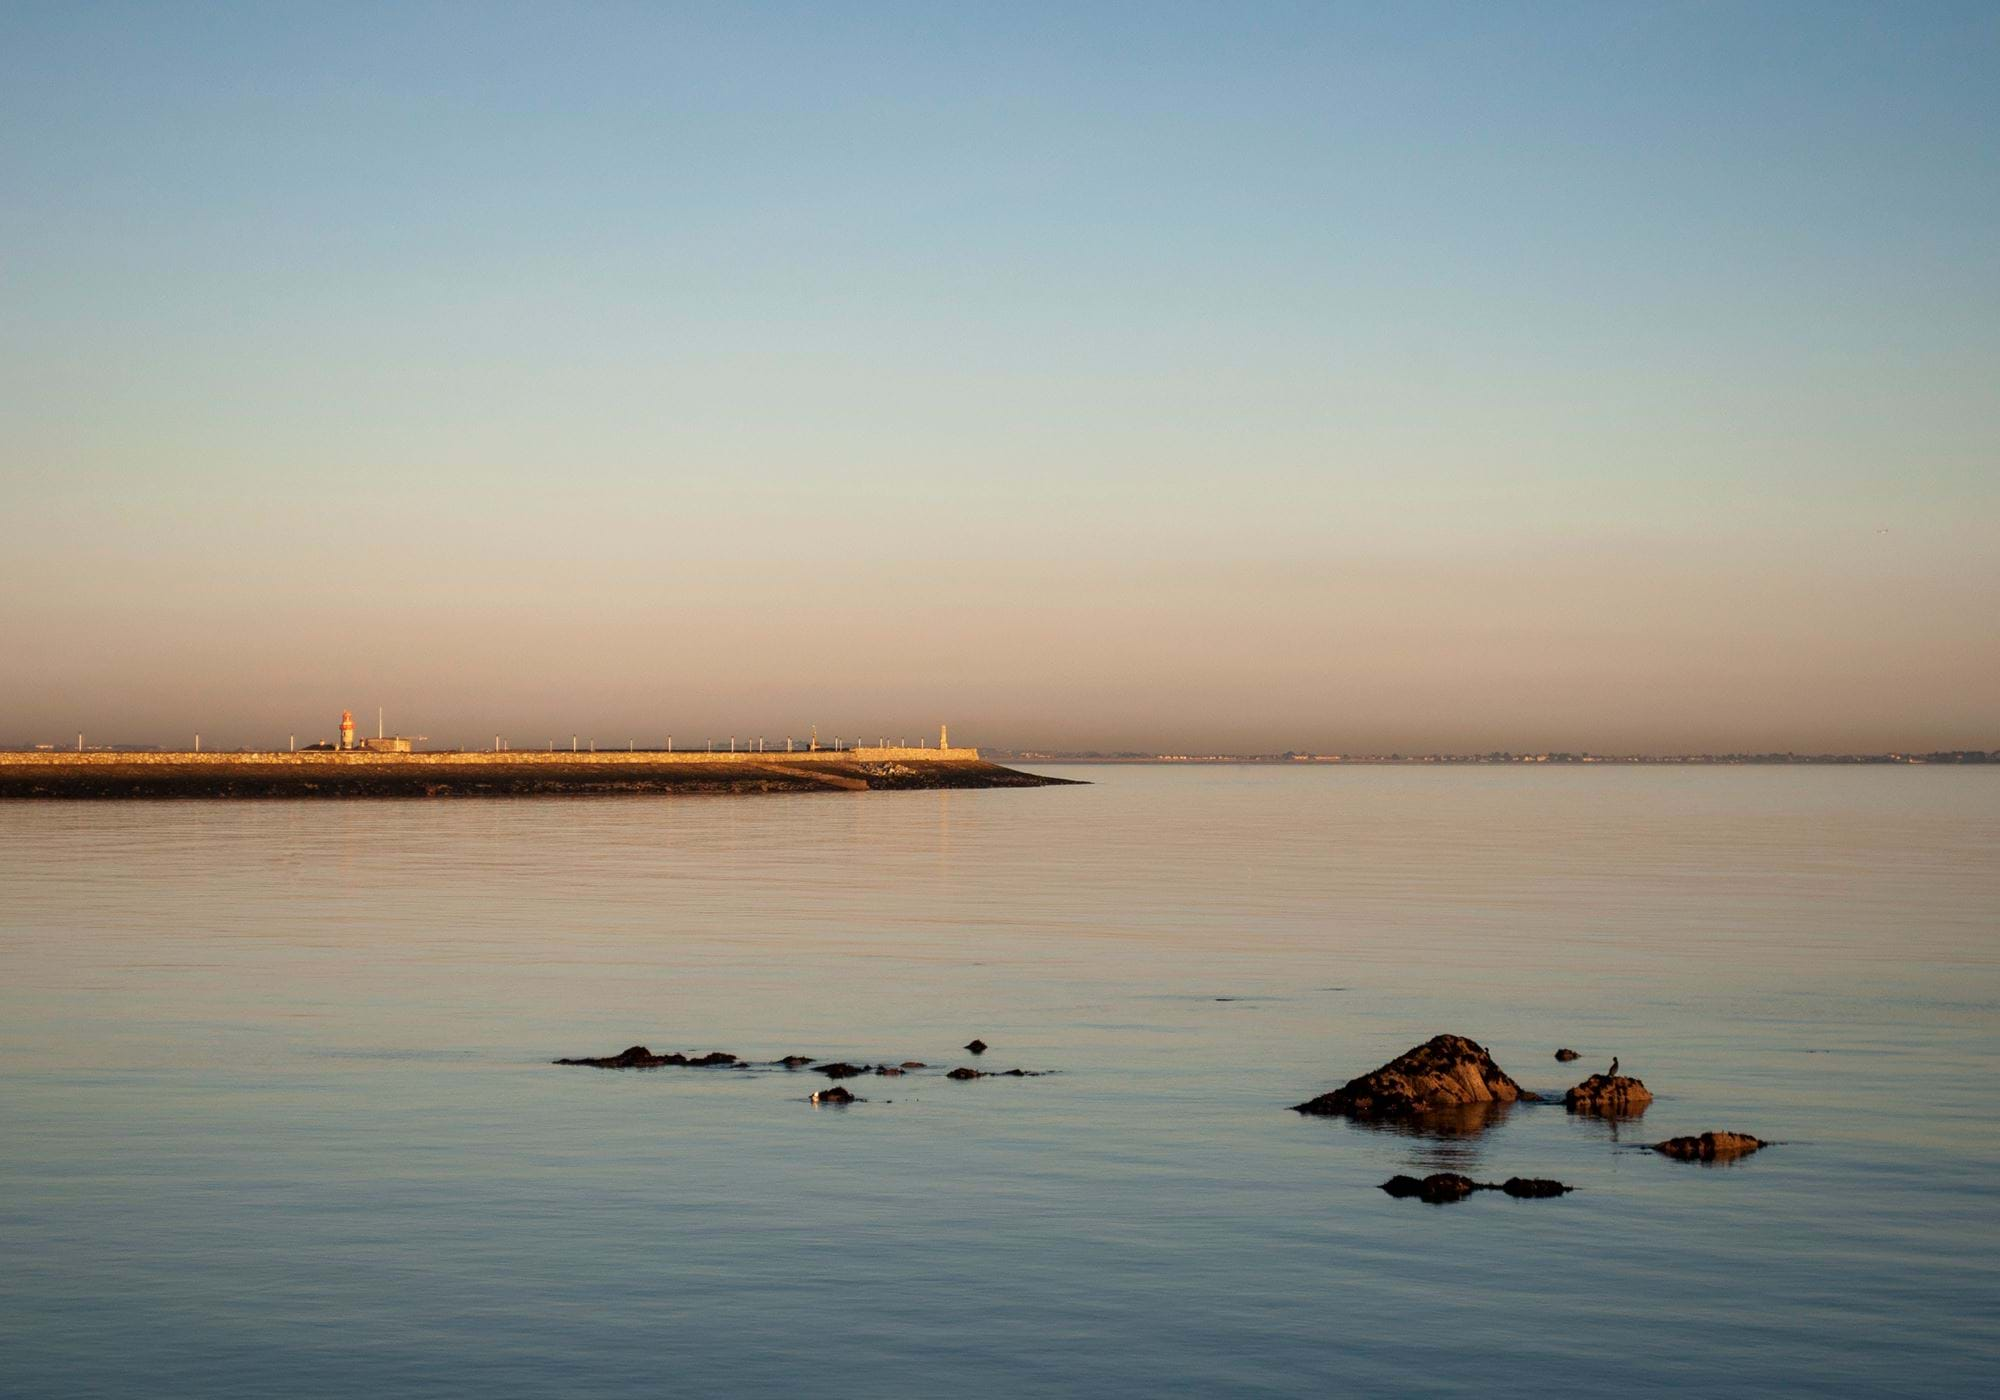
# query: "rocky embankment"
500,775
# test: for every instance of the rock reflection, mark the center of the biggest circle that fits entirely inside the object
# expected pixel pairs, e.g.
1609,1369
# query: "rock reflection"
1605,1122
1445,1139
1459,1121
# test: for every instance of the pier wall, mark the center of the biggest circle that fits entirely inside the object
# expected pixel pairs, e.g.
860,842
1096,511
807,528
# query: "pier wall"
526,758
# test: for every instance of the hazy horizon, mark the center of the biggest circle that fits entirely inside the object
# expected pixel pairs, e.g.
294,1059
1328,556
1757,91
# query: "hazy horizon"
1178,379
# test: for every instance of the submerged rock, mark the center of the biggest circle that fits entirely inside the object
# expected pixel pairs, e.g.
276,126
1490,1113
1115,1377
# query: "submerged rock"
838,1094
977,1047
639,1057
1441,1188
1621,1095
1436,1188
1446,1071
1533,1187
1709,1146
962,1072
1566,1055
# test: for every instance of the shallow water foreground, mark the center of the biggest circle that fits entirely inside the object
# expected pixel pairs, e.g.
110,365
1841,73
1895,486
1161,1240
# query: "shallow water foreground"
276,1114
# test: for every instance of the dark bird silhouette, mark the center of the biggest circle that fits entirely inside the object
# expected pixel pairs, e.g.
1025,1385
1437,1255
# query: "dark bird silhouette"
1612,1073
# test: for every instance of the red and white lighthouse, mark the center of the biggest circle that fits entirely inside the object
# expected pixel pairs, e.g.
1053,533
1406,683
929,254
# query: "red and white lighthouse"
347,729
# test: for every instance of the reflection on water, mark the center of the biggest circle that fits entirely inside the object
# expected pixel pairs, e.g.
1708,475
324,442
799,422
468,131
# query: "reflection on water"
1443,1140
276,1112
1623,1113
1612,1126
1714,1163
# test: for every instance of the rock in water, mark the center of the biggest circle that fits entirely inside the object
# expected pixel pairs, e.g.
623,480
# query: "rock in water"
837,1094
1444,1187
913,1064
977,1047
963,1073
1533,1187
795,1061
1566,1055
638,1057
1709,1146
1602,1093
1446,1071
1437,1188
840,1069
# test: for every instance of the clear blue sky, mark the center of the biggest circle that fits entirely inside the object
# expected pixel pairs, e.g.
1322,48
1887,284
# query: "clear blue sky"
1188,376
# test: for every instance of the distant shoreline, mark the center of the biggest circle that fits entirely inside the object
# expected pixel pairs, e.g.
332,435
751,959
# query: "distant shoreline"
111,775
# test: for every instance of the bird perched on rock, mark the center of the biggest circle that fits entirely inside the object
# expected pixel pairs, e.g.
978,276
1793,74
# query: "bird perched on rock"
1612,1073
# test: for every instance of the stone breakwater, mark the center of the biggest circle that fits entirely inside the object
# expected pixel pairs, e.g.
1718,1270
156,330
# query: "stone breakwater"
63,758
476,774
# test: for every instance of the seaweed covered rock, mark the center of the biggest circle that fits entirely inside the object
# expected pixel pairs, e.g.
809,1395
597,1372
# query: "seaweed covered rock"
1446,1071
1566,1055
838,1094
1606,1093
1708,1147
977,1047
840,1069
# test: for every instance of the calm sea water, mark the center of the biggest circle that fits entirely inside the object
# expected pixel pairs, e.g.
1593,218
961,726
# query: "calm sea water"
276,1116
